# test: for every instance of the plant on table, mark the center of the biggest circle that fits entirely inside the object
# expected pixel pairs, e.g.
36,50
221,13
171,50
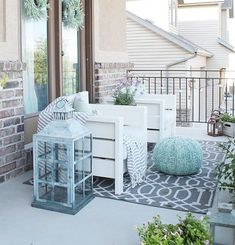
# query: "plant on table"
225,117
225,170
126,91
187,232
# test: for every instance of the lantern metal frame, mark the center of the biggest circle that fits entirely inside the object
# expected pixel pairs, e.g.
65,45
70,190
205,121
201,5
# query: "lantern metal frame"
214,124
63,180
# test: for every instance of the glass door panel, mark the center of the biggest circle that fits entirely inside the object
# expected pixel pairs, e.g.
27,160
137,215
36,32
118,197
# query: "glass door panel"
34,54
71,60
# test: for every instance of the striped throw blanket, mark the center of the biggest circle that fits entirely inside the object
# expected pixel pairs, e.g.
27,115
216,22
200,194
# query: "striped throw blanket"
136,153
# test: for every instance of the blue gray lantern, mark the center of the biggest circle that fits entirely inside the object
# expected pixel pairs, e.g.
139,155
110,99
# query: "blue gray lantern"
63,178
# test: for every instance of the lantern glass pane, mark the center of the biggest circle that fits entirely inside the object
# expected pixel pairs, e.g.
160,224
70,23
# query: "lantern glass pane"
78,149
50,193
87,144
82,169
44,150
60,153
45,171
83,190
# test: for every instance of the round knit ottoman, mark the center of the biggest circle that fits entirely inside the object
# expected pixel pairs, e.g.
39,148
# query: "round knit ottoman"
178,156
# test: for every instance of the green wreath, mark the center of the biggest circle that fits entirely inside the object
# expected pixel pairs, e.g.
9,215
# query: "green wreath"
35,9
72,13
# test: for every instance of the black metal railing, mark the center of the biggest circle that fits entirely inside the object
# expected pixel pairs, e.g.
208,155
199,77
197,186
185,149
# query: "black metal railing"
198,92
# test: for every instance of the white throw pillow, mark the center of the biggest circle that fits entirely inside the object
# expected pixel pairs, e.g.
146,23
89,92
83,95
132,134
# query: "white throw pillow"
81,102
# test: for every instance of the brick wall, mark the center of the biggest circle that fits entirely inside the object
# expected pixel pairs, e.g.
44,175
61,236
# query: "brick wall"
12,155
106,77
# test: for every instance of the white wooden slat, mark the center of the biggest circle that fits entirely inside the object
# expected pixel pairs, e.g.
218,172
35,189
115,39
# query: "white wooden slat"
104,168
102,129
153,136
130,115
103,148
153,122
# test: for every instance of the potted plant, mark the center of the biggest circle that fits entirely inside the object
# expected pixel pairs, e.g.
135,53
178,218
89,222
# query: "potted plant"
3,81
225,170
126,91
188,231
228,124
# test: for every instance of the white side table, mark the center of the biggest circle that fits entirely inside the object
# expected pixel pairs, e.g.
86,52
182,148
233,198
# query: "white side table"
223,220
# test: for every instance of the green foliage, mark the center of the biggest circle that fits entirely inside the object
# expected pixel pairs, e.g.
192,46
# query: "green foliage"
124,98
227,118
188,231
40,62
195,231
72,13
35,9
4,80
225,170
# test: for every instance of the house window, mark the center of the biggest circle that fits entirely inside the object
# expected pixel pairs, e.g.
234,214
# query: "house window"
172,12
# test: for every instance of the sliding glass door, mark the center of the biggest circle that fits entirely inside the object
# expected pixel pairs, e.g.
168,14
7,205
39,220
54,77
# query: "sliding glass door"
71,60
34,54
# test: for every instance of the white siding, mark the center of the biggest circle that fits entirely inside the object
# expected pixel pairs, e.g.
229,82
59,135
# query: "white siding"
204,29
148,50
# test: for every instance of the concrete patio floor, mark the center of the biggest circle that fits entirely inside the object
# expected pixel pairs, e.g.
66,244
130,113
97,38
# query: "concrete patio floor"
101,222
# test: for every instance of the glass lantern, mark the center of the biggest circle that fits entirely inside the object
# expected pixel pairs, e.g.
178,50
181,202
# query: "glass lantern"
62,151
214,127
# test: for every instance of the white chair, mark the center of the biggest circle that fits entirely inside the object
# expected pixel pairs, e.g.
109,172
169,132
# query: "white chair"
108,127
161,115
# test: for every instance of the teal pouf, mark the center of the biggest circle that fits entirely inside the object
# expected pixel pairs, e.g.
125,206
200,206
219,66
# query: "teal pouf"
178,156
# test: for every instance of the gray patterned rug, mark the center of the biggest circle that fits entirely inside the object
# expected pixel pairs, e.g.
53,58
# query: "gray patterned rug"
193,193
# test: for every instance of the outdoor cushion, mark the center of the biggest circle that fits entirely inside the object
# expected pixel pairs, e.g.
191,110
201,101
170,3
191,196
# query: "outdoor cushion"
178,156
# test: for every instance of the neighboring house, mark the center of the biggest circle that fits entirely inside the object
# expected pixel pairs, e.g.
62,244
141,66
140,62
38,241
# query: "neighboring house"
162,13
151,47
206,24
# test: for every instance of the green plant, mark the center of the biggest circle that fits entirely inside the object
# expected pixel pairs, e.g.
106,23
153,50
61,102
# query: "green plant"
35,9
4,80
124,98
227,118
73,13
187,232
195,231
126,90
40,62
225,170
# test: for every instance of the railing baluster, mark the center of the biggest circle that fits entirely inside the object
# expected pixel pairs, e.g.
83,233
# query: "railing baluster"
149,85
226,96
192,99
173,85
199,100
212,95
206,96
155,85
233,99
167,85
180,111
186,98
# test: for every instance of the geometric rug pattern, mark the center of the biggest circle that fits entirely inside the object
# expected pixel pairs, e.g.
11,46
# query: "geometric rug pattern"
194,193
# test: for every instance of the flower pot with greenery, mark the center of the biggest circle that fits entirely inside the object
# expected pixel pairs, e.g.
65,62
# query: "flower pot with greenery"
228,124
188,231
126,91
225,170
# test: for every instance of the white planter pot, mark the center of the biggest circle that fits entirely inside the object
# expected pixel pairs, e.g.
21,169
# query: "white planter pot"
229,129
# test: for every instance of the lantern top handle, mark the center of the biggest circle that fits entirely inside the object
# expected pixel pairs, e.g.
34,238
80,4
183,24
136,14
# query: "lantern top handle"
63,106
